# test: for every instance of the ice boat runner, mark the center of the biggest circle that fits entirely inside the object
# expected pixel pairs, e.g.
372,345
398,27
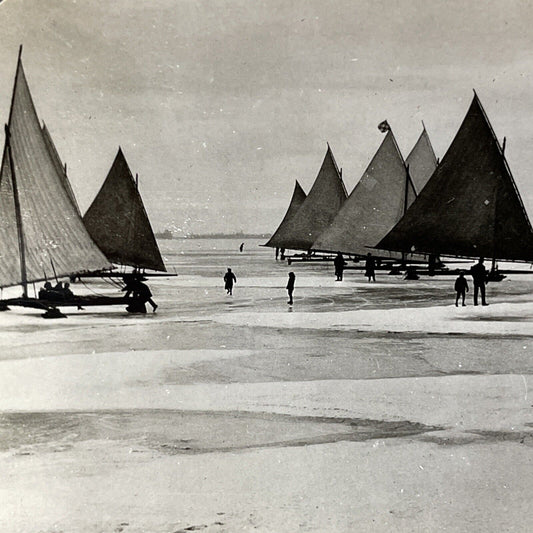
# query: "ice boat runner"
118,223
317,210
42,235
471,206
298,197
377,202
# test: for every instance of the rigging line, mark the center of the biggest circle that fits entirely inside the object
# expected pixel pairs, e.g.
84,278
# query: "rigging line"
112,282
93,291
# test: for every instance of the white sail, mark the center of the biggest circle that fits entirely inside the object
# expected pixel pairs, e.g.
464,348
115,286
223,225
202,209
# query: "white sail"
49,228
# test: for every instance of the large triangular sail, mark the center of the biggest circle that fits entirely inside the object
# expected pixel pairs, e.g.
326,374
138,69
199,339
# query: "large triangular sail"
377,202
470,207
318,210
118,223
61,169
421,161
41,233
298,197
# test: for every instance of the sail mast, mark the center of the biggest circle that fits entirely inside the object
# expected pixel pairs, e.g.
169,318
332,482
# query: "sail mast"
18,217
406,194
16,200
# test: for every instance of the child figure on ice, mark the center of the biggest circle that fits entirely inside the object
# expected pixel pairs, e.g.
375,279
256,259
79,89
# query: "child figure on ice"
461,287
290,286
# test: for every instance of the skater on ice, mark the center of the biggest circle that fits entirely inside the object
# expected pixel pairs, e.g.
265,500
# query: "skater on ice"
290,286
229,280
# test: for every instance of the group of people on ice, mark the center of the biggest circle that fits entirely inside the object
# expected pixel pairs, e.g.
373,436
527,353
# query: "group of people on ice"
340,264
480,278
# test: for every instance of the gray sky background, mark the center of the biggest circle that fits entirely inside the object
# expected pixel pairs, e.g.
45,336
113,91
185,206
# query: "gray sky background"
220,105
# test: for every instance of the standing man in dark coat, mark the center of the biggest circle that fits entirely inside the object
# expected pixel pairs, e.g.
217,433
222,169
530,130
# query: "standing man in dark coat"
370,267
229,279
339,266
479,276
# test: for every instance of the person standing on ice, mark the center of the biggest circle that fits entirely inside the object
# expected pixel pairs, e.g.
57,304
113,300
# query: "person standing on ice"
241,247
370,268
479,275
290,286
461,288
229,279
339,266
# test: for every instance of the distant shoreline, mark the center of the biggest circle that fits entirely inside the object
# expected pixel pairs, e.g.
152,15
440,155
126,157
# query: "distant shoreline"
166,235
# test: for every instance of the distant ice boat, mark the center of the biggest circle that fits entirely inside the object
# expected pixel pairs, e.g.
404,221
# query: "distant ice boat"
319,208
421,161
378,201
298,197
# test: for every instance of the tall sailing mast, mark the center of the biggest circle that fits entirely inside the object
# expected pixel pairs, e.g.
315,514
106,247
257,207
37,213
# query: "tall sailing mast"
16,199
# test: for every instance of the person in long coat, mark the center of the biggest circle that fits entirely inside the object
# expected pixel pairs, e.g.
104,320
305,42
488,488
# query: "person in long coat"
229,279
480,278
370,268
339,263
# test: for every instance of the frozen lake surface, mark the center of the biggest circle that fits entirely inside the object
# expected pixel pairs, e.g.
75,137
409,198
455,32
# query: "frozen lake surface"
363,407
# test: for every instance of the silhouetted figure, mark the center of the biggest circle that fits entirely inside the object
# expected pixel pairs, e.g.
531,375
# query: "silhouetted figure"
290,286
479,275
282,252
339,263
461,287
229,279
241,247
432,264
140,294
66,290
59,286
45,291
411,273
370,268
277,253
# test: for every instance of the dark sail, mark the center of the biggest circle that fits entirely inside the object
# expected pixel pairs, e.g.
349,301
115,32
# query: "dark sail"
317,211
61,170
421,161
377,202
298,197
41,233
118,223
470,206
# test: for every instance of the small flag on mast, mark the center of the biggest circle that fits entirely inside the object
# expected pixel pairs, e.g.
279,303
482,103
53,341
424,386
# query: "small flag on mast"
383,126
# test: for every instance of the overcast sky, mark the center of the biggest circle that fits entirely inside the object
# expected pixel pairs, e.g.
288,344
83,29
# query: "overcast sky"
220,105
